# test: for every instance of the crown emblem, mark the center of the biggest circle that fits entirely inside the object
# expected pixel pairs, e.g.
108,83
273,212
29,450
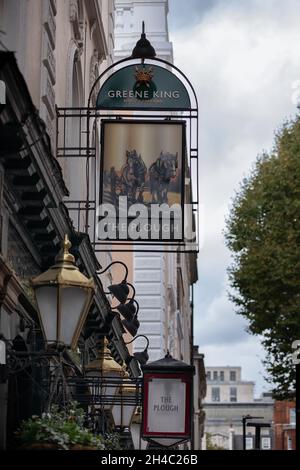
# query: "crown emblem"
143,74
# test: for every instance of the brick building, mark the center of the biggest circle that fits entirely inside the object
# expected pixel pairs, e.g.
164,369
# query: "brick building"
285,425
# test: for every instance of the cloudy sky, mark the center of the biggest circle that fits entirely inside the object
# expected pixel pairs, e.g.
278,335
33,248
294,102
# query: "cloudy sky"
244,61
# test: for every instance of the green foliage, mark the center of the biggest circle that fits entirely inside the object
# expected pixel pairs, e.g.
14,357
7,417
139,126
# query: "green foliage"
65,429
263,232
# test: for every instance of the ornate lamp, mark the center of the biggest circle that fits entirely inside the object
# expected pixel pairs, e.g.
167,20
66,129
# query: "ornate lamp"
63,296
123,410
109,372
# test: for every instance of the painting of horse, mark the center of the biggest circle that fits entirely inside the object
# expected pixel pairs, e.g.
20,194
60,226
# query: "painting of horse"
142,160
133,176
161,172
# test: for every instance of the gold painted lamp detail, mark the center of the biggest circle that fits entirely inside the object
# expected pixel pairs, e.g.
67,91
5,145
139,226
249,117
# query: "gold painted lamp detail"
109,372
63,296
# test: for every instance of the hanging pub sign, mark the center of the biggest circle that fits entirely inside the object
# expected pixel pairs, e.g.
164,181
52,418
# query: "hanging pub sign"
143,86
142,180
167,401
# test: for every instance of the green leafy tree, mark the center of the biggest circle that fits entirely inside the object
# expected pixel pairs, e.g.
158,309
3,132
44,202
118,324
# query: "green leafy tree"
263,233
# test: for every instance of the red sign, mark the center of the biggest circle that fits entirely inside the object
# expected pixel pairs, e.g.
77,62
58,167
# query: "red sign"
167,407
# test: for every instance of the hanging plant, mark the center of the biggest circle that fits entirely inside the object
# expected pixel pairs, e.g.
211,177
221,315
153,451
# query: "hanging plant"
62,430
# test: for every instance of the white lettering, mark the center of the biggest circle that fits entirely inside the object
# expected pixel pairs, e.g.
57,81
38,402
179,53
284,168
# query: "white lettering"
143,94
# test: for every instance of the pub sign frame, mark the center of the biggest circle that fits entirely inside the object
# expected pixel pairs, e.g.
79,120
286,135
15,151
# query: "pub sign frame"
85,145
123,147
170,374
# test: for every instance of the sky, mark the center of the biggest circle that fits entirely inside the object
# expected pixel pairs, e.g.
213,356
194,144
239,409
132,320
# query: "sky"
243,58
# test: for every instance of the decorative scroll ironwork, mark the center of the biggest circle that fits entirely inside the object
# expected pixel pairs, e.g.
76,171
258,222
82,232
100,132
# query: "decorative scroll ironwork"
90,391
20,361
61,385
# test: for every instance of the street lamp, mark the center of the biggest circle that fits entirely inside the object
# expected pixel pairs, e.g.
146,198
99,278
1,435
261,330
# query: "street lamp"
63,296
119,291
142,356
244,420
132,325
123,410
128,310
109,372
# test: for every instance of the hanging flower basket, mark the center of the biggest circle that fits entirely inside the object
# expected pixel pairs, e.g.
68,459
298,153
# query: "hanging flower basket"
58,430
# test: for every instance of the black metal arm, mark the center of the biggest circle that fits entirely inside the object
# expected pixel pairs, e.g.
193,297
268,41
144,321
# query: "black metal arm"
111,264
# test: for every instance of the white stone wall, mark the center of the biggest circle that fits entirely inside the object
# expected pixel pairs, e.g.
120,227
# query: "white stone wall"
61,47
245,392
149,284
128,26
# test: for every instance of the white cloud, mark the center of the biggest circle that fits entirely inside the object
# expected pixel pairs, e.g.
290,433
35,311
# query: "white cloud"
243,58
218,324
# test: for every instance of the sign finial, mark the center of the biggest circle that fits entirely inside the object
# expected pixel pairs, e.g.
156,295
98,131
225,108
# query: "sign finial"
143,48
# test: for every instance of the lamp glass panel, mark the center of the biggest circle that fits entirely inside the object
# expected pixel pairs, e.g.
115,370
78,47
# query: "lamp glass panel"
107,391
73,300
47,302
122,417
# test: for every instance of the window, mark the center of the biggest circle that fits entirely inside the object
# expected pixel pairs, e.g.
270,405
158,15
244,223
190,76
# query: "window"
232,376
292,415
215,394
215,375
233,394
222,376
208,375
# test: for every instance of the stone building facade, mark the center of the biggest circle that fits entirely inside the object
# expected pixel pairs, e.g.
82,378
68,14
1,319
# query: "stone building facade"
228,399
225,384
51,52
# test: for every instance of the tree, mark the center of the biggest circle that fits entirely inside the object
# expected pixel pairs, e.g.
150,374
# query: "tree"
263,233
